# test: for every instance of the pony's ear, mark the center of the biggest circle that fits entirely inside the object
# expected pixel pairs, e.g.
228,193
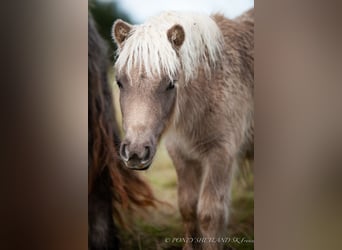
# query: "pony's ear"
176,36
121,31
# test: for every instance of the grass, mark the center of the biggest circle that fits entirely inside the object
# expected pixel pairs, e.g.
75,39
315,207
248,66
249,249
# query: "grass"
152,228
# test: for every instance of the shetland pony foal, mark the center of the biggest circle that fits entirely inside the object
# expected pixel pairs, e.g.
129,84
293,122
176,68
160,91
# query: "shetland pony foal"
190,76
110,185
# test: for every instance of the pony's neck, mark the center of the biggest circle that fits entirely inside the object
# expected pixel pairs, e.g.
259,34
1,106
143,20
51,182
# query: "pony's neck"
192,100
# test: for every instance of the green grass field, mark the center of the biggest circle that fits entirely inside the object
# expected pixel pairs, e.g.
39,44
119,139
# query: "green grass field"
152,228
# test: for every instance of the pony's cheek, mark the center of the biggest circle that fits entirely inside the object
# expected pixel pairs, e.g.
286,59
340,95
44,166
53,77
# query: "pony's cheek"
171,103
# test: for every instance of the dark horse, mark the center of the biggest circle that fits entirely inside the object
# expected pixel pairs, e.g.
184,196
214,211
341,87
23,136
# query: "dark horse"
110,186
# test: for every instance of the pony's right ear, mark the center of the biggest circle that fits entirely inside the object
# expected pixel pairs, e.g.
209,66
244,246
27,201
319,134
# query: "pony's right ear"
121,31
176,36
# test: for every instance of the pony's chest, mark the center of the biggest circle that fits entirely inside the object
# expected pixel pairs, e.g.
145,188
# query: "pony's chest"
183,143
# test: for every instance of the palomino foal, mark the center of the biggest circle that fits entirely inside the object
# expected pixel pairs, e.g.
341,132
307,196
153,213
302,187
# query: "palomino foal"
191,77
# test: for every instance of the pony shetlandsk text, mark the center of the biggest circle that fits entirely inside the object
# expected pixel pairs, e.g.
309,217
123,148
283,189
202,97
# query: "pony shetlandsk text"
189,77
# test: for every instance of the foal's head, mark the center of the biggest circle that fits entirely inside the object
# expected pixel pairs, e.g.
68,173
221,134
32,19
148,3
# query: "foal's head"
147,73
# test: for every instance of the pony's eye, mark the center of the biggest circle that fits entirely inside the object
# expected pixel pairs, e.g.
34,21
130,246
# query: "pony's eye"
171,85
119,84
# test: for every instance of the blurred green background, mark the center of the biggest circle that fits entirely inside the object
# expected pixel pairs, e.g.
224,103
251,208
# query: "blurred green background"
152,227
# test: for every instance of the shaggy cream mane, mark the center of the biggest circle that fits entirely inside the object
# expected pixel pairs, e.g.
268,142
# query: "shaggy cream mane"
147,46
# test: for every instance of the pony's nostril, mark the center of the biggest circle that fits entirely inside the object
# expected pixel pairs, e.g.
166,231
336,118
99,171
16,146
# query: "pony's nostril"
123,152
147,154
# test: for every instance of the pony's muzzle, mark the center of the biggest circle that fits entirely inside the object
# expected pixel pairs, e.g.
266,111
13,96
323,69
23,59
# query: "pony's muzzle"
136,156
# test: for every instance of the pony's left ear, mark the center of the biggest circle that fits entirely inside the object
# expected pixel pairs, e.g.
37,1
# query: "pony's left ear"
176,36
121,31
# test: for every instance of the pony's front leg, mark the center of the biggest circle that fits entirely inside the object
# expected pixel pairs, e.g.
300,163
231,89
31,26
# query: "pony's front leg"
212,211
189,175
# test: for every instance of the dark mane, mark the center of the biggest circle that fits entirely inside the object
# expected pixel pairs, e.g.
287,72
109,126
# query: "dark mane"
110,185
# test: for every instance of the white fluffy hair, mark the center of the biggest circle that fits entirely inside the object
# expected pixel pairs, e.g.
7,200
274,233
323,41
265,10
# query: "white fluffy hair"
147,45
